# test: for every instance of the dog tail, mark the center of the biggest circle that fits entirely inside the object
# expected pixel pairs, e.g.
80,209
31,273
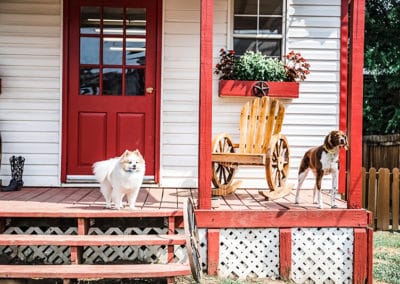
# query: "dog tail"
102,170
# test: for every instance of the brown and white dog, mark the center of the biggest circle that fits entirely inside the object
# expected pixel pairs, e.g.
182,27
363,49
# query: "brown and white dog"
323,160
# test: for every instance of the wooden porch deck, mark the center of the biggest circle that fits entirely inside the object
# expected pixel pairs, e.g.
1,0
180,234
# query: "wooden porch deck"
87,202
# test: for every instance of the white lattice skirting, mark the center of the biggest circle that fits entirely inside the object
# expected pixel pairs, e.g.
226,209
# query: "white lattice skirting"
97,254
322,255
249,253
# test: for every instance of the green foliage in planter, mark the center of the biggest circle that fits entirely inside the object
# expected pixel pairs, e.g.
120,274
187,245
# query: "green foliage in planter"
253,66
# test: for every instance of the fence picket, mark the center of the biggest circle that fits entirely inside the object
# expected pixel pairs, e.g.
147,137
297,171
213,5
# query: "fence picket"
383,199
372,191
395,200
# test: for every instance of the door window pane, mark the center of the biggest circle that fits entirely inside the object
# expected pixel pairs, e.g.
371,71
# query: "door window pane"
112,81
135,82
112,51
135,51
90,50
90,20
89,81
113,20
112,61
136,21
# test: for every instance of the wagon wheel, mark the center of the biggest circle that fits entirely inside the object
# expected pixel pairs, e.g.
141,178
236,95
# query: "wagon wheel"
277,167
222,173
192,239
260,89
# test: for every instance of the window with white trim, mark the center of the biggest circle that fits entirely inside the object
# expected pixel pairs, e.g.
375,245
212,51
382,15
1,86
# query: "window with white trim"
258,25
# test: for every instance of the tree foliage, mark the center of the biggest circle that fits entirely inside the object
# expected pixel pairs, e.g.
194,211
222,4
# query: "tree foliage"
382,67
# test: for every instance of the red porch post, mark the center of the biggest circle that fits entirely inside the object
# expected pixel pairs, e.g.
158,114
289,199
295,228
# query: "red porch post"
355,103
344,60
205,104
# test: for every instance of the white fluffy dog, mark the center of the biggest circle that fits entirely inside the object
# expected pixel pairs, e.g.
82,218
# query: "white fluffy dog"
120,176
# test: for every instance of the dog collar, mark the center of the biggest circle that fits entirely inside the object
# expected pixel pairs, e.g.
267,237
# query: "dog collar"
333,151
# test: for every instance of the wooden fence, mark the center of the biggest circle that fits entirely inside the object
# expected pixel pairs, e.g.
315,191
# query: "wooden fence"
381,151
381,197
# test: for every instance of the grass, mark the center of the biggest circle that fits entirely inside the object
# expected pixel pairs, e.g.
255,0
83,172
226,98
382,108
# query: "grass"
387,257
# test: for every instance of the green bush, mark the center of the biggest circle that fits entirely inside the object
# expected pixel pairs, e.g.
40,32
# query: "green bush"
254,66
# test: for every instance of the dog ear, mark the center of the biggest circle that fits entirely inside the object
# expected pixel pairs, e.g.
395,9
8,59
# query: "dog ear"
137,152
327,140
126,153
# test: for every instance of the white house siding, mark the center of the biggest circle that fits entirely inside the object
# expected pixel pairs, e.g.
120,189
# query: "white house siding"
313,28
180,95
30,60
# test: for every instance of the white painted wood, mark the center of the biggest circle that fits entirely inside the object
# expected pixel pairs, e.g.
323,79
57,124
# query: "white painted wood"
30,69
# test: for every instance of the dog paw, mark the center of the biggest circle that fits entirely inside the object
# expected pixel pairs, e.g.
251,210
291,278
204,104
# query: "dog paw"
132,207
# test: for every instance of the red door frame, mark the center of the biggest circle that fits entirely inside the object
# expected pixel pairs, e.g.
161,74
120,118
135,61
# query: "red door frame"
65,89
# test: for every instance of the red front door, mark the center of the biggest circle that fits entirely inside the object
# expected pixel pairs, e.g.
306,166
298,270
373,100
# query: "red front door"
111,74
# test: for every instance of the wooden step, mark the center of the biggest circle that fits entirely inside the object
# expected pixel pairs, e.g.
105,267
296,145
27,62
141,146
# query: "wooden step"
91,240
87,271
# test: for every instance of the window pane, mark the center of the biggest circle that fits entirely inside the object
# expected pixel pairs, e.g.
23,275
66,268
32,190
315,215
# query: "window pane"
112,81
90,20
113,21
245,25
271,7
242,45
246,7
270,25
90,50
135,82
89,81
269,47
136,21
112,51
135,51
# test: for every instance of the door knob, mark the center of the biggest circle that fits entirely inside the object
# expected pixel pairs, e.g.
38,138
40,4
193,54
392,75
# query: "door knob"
149,90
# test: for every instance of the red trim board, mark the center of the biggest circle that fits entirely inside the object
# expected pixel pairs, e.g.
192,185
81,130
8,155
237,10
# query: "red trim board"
344,38
355,103
205,103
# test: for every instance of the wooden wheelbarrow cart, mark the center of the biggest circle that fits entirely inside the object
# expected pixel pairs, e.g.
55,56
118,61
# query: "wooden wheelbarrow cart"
261,144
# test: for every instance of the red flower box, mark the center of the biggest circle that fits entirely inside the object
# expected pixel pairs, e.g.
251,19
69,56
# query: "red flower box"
237,88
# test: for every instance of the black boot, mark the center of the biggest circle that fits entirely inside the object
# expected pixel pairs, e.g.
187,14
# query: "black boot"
17,166
20,171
